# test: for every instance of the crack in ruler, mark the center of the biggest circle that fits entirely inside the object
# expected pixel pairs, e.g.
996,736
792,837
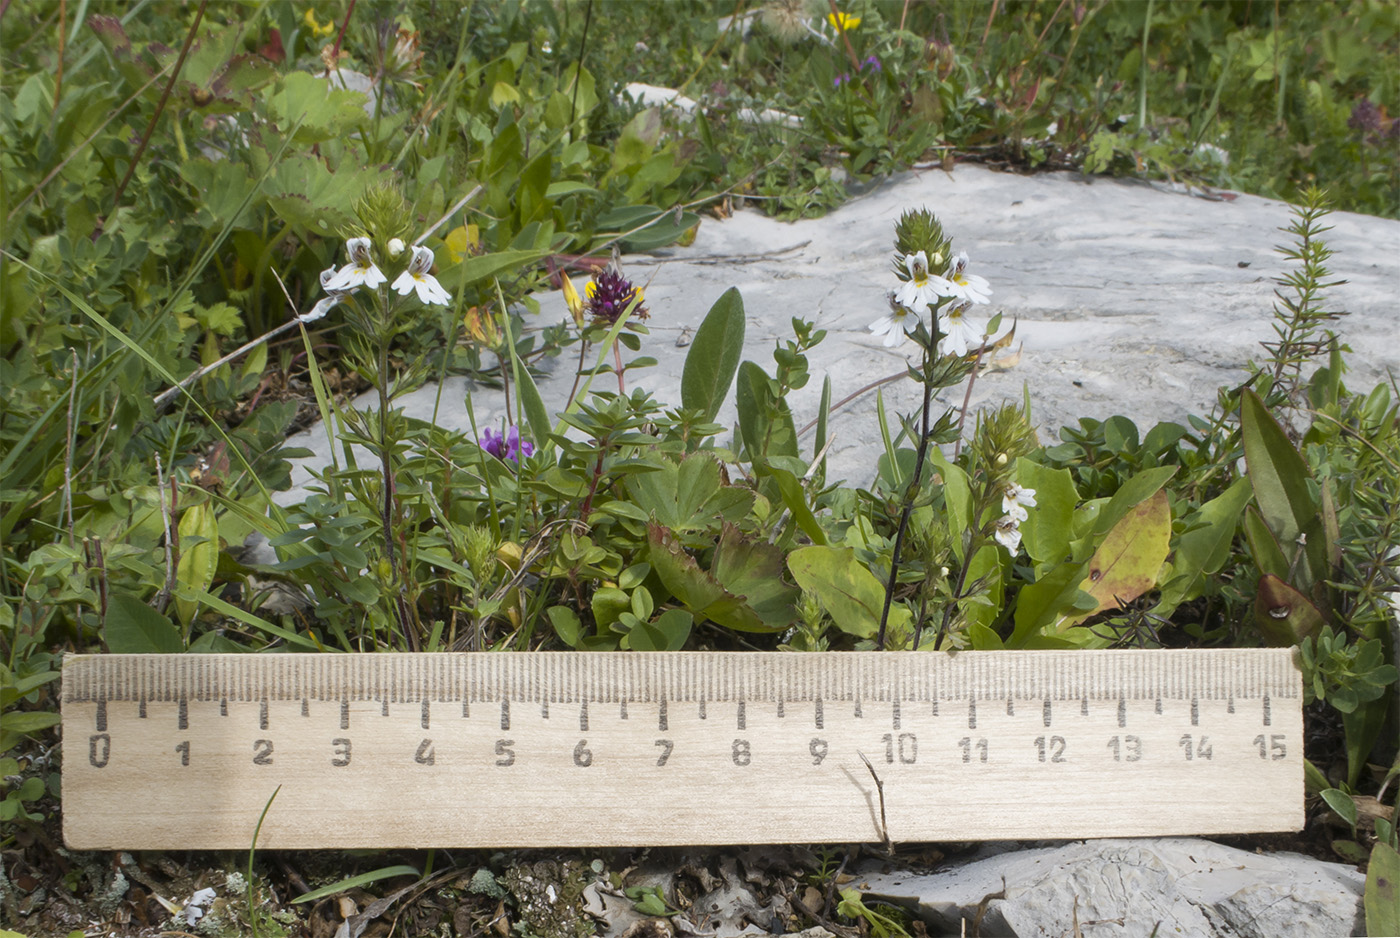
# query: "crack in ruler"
615,749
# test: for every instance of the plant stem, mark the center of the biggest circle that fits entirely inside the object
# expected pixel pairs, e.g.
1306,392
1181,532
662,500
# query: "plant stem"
1142,70
160,107
386,460
910,495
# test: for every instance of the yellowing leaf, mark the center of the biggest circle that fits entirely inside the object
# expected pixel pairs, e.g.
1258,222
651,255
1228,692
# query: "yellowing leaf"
1127,563
199,555
461,241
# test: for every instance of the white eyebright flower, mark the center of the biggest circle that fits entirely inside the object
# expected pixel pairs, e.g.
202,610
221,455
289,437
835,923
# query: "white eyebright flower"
1008,533
964,285
961,332
922,289
324,304
1015,499
417,278
360,271
896,325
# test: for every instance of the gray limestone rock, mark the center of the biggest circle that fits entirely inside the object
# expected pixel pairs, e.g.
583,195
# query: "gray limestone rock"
1164,886
1128,300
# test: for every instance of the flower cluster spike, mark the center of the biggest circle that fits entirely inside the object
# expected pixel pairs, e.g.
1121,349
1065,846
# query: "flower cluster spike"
919,230
609,294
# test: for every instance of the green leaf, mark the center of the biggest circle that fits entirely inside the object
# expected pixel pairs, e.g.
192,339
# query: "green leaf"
1284,616
134,628
29,721
688,495
472,269
765,423
714,355
353,882
304,191
848,591
1343,804
536,414
753,571
1280,479
566,624
199,555
698,590
668,633
1046,533
794,497
1202,551
1263,545
325,113
1383,891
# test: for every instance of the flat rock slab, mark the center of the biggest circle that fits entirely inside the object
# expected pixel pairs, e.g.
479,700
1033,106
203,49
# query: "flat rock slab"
1128,300
1134,889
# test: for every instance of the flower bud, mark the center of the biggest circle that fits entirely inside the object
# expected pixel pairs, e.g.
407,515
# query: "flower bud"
1000,460
574,301
396,247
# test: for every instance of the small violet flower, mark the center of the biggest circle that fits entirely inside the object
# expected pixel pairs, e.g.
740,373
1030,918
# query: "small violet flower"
966,286
360,271
841,79
508,446
417,278
871,62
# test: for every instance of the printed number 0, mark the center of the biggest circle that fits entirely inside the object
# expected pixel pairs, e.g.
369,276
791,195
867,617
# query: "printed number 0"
740,753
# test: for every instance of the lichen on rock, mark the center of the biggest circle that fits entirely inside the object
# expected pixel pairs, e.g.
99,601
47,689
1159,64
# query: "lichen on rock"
549,899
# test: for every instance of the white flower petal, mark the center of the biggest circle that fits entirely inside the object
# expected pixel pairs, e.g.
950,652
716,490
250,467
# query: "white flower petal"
322,307
1008,533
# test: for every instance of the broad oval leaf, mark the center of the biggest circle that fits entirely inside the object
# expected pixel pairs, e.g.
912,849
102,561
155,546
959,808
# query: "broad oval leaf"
714,355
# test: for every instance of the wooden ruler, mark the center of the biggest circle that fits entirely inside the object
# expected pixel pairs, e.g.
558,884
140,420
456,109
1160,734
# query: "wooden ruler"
614,749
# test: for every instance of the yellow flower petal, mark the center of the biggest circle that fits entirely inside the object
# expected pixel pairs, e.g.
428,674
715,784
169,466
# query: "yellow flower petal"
843,21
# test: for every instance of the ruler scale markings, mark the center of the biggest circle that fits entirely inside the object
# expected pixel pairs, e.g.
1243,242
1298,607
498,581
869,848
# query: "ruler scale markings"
1202,687
142,711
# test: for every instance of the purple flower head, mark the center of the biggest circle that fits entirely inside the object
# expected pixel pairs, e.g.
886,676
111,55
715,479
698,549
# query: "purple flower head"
1365,116
608,295
508,446
840,80
872,62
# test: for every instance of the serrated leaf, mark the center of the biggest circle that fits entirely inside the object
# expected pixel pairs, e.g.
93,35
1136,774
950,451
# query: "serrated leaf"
700,592
688,495
753,571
